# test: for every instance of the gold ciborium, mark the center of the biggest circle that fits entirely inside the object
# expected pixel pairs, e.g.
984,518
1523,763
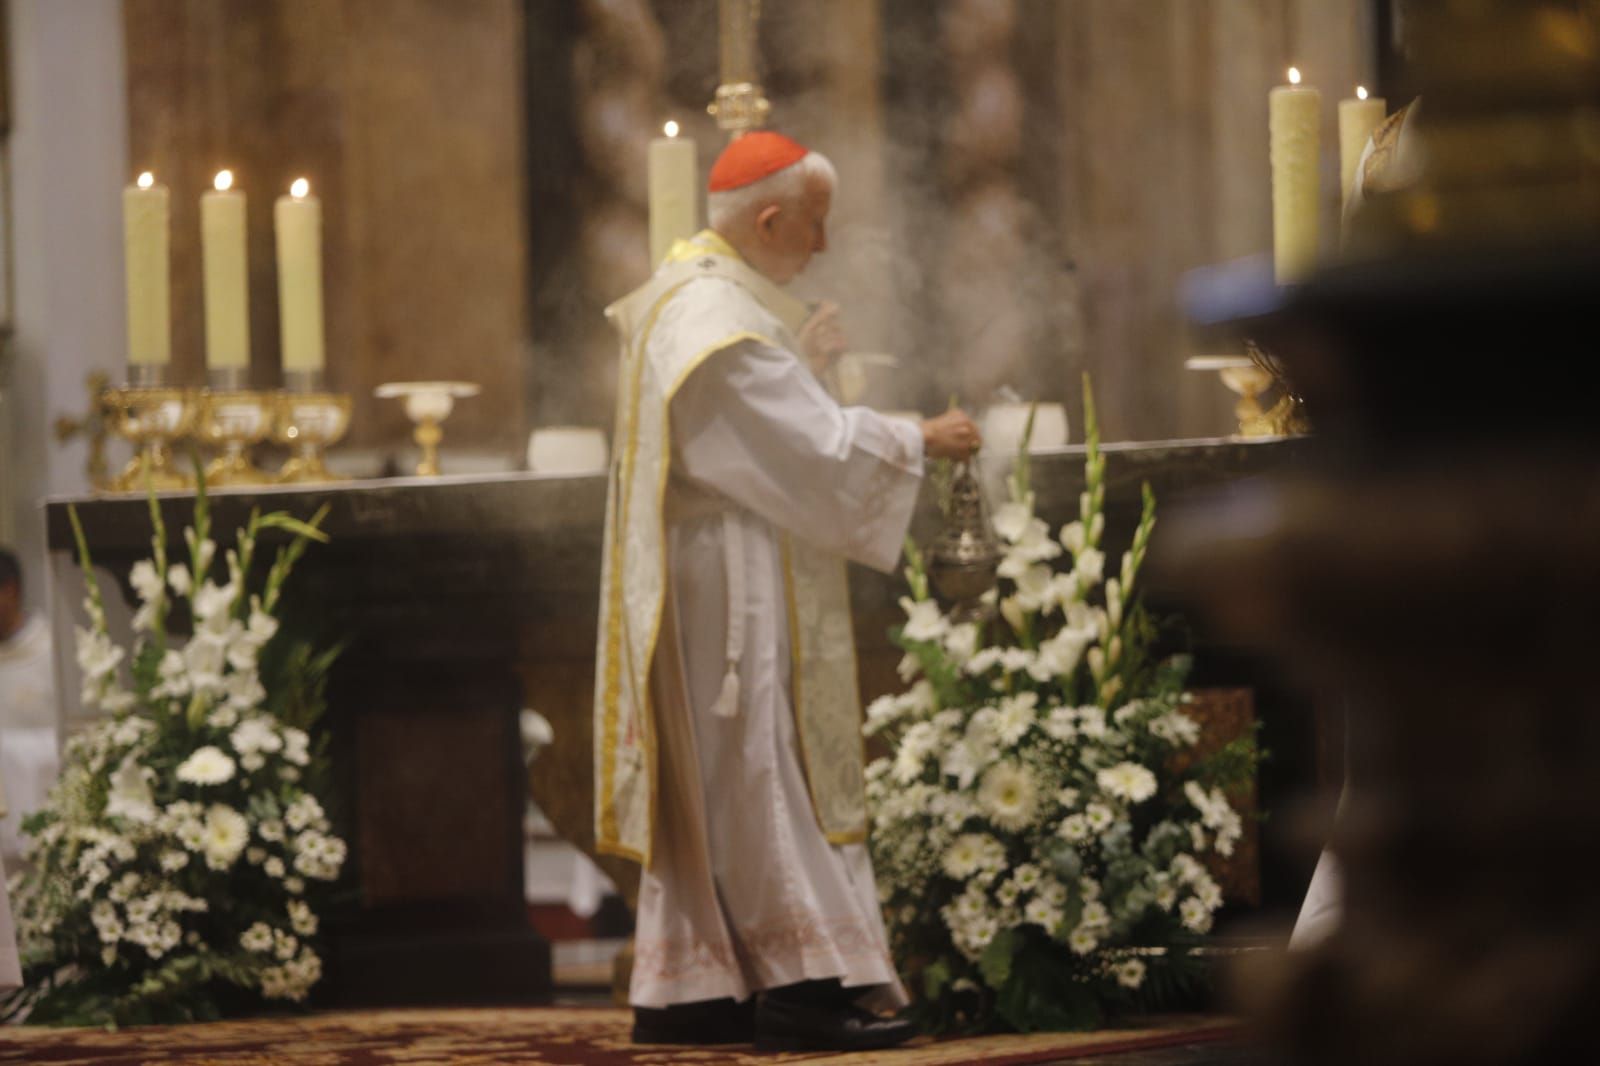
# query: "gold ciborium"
235,420
308,422
152,418
428,403
963,559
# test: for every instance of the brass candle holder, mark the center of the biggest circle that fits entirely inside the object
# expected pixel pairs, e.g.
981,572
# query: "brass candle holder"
151,418
235,420
308,422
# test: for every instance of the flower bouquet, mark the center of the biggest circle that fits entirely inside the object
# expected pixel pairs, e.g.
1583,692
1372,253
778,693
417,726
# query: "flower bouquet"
1040,822
181,849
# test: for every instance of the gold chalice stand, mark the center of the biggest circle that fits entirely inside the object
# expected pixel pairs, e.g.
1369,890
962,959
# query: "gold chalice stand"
1248,380
427,404
152,418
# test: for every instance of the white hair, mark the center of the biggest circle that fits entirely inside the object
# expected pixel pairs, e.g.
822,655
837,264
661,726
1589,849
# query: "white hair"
785,188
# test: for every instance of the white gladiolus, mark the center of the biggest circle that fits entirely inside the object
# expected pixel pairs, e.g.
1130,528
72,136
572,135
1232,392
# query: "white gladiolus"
146,581
179,579
924,620
1072,537
1011,519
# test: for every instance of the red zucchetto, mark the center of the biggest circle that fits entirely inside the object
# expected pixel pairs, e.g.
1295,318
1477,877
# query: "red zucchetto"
754,156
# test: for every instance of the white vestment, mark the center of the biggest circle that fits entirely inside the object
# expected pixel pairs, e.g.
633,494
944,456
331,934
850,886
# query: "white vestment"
743,889
29,760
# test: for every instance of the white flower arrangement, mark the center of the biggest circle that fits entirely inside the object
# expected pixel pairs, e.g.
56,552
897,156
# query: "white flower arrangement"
1038,852
177,850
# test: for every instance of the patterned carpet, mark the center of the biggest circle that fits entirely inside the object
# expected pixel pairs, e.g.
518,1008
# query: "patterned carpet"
552,1036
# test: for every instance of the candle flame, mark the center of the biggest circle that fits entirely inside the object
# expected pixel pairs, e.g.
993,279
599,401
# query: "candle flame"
300,188
223,181
147,180
1294,75
1361,92
670,129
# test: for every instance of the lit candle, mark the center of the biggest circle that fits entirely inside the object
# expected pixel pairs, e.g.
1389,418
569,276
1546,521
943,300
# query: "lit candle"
1359,115
222,251
674,191
144,236
297,219
1295,123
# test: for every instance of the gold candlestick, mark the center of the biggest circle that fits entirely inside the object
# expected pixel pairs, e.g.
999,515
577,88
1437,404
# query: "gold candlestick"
308,422
152,418
740,105
235,420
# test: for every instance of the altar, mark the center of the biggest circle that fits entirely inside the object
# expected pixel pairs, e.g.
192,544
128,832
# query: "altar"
460,601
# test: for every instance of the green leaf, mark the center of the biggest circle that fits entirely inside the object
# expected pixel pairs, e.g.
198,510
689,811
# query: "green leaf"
995,962
935,978
288,523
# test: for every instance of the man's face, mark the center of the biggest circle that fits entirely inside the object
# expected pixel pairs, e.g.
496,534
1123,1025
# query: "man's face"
792,235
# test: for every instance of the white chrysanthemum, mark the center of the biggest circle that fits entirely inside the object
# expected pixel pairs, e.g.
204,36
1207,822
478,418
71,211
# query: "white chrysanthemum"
301,918
1074,829
1042,914
207,766
1099,816
1009,796
1082,941
1095,916
1186,869
1166,896
924,620
173,860
296,746
963,761
1194,916
1015,717
226,833
965,856
257,938
1129,973
305,811
1127,781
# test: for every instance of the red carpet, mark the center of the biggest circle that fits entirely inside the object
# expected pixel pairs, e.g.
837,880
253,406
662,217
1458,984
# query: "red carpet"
556,1035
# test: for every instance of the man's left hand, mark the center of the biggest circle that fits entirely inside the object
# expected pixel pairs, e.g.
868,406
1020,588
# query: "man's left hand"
822,338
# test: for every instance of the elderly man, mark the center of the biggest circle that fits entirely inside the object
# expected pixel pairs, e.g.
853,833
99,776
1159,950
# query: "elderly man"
728,752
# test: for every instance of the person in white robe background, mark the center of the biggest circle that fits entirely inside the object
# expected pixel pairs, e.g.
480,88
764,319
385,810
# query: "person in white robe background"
28,761
727,723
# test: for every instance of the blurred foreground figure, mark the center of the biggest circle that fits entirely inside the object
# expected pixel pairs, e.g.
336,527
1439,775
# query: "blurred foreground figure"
728,750
1442,563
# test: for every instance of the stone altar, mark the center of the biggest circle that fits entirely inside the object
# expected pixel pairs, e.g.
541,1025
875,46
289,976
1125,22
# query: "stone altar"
464,599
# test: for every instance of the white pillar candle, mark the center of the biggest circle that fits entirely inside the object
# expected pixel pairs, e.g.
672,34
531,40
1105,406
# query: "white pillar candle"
1294,114
1359,115
227,299
674,191
297,220
145,258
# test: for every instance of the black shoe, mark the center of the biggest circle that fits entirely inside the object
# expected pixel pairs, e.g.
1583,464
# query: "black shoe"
784,1025
709,1021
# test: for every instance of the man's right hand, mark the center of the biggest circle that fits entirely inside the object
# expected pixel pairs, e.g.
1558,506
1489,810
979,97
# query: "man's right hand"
951,435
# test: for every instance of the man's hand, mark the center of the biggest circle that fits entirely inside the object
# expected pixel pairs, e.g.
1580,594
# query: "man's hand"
951,435
822,338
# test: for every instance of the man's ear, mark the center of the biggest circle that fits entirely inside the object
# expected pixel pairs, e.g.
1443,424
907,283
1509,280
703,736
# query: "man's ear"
767,219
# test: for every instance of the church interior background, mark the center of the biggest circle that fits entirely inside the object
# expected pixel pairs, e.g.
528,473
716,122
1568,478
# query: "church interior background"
1025,187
